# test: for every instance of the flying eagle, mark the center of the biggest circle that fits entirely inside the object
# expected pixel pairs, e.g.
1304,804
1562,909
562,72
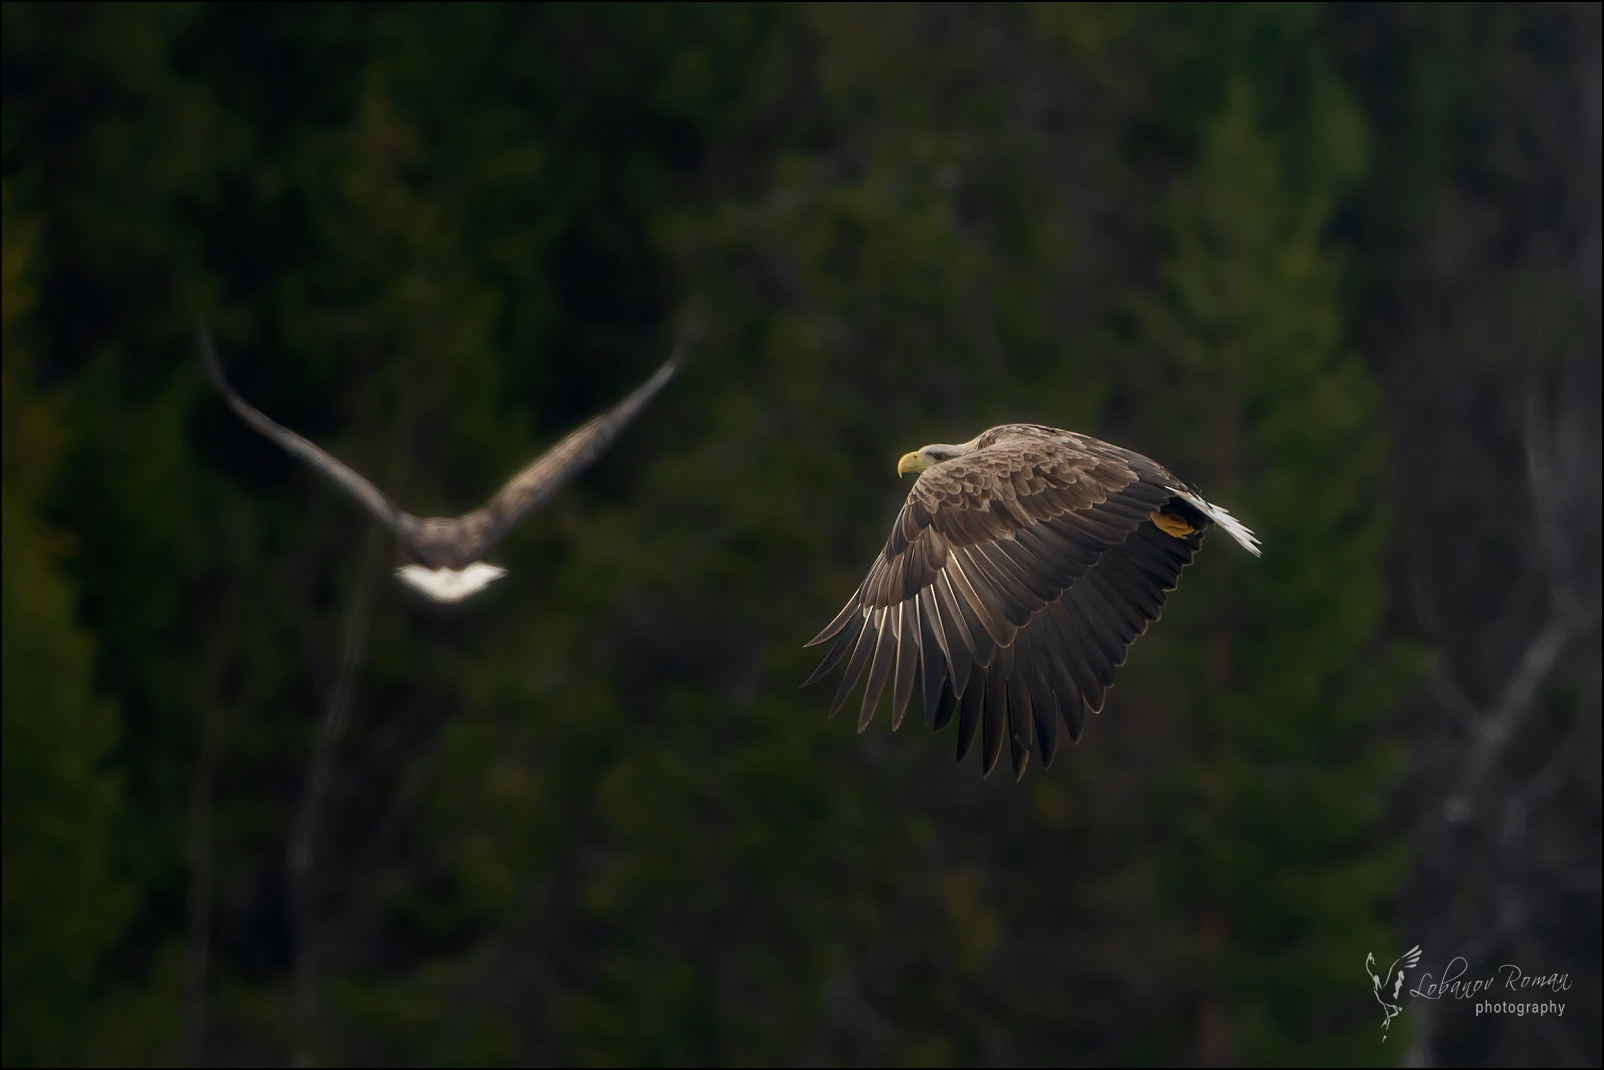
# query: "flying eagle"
1023,564
447,555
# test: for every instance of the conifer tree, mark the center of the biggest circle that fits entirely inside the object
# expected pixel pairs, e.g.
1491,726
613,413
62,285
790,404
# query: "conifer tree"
64,904
1276,679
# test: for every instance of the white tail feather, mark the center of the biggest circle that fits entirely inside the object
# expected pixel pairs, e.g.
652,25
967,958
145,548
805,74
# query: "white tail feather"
1221,516
449,584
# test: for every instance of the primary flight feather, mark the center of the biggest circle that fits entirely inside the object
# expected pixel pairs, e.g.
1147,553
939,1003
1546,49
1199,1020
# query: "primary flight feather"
447,554
1023,564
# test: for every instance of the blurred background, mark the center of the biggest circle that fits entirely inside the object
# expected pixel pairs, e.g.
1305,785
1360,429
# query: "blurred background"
1337,264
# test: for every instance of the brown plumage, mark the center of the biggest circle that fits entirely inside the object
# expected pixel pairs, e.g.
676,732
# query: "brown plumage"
448,551
1021,567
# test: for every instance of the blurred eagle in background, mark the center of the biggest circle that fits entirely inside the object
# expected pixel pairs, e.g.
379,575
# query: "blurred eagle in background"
446,555
1023,564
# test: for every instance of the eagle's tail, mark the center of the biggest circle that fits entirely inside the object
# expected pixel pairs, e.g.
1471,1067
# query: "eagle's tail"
1222,516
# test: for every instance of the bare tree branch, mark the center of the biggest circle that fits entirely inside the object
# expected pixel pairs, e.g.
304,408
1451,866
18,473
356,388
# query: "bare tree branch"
1495,731
302,854
202,848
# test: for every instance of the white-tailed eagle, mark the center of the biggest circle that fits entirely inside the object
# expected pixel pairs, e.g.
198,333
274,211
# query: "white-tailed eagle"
446,556
1023,564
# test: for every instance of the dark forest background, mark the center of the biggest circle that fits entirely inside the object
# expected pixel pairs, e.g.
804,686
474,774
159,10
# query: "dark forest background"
1338,264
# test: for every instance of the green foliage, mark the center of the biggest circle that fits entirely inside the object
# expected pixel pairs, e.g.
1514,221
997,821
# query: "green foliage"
1276,856
63,904
589,817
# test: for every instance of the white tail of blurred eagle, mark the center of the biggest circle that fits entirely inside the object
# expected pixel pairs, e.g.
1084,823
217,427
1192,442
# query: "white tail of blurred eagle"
1023,564
446,555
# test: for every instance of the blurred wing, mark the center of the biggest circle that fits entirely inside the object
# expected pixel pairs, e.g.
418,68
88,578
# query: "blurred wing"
563,461
358,487
1013,582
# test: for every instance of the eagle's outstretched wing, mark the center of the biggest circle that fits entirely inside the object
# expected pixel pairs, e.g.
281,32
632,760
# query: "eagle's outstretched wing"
457,543
355,485
580,448
1013,581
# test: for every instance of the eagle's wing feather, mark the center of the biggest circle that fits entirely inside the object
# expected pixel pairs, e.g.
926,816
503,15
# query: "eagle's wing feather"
580,448
455,544
359,488
1014,579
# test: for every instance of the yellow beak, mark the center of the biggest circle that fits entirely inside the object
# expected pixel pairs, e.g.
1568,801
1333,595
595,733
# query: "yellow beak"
911,462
